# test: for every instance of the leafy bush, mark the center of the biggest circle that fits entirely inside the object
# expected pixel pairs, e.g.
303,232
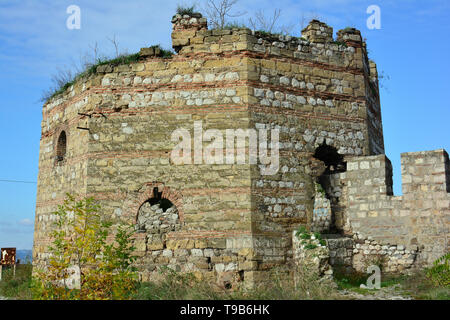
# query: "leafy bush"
80,240
310,246
439,273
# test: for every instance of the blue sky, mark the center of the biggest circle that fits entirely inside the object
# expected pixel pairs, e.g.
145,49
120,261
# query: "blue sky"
411,47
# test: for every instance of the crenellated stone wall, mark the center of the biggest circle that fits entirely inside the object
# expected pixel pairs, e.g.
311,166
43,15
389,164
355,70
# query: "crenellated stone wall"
419,220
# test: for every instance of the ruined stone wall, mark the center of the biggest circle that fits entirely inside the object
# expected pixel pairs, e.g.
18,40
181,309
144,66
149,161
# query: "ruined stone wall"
418,220
229,222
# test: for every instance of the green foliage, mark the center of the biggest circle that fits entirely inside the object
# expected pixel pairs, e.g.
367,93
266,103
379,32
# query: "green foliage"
81,239
264,34
63,88
306,238
310,246
439,273
18,286
301,230
182,10
320,189
122,59
347,29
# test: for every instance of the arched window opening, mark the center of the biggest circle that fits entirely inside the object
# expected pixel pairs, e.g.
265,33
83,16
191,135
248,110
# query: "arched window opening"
61,146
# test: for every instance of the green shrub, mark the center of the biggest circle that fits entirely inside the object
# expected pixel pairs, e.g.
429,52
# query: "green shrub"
80,239
164,53
439,273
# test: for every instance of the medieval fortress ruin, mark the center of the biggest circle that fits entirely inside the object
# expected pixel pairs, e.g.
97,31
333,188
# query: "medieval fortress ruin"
110,136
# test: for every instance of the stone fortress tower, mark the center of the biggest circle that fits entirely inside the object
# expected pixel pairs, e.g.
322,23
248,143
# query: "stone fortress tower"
109,136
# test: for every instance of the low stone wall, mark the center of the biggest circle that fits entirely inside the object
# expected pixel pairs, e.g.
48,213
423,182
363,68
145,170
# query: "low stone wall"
391,257
359,252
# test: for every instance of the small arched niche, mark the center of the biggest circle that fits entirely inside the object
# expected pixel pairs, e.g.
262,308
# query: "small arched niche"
61,147
158,215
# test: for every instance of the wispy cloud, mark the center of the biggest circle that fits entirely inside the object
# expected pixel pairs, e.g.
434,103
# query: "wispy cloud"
25,222
36,30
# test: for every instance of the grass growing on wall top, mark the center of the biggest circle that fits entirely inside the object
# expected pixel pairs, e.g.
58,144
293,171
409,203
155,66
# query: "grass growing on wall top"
64,79
182,10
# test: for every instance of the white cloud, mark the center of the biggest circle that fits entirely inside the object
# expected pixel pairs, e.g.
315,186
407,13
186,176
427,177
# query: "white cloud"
25,222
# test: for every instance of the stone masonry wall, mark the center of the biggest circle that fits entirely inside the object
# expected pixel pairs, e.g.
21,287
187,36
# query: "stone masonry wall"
314,93
417,220
357,253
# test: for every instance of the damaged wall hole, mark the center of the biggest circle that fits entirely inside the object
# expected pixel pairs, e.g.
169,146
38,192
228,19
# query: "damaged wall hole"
157,198
328,202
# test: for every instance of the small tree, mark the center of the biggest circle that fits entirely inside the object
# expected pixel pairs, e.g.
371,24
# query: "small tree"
261,22
80,241
219,11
